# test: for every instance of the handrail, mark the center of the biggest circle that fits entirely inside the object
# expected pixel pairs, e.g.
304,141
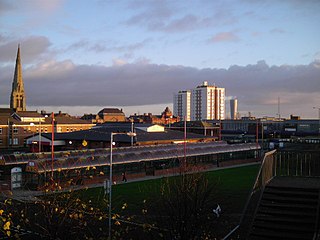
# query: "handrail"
256,182
316,235
263,163
302,164
231,232
276,166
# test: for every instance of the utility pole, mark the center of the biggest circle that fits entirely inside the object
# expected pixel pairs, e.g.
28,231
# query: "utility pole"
318,118
52,145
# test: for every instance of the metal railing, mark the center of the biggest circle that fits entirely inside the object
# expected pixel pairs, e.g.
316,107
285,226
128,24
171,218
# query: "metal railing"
282,163
298,163
266,173
316,235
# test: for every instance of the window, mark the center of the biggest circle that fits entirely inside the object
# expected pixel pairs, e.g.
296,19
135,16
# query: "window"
15,130
0,141
15,141
0,130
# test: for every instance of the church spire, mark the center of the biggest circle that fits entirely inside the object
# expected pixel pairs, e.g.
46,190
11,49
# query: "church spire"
18,99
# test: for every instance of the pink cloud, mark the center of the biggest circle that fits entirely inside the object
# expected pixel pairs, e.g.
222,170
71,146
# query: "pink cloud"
224,37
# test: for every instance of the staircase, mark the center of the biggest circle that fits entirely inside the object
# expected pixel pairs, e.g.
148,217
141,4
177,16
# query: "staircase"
288,209
285,200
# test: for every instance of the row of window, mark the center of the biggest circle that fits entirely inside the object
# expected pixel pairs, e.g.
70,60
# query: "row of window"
14,142
15,130
68,129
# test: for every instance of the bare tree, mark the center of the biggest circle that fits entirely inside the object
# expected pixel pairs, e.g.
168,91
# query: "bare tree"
185,206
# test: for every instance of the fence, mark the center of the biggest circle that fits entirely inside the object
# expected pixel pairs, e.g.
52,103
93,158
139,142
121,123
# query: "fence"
288,163
297,163
282,163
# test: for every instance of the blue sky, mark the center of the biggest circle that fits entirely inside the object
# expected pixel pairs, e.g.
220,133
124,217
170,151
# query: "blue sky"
151,46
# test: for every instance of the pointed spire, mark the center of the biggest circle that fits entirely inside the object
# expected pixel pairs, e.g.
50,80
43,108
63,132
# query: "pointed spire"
17,99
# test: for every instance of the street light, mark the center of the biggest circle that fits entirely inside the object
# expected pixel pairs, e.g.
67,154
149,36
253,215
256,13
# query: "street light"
318,118
130,134
39,142
132,131
39,135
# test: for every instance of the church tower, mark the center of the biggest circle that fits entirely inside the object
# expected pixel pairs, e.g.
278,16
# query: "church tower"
18,98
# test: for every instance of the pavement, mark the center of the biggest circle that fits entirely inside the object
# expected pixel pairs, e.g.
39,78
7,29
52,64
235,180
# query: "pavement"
30,195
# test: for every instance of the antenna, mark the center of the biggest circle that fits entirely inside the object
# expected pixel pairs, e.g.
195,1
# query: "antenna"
279,116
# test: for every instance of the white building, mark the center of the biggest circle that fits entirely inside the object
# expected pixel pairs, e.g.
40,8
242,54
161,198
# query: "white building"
207,103
233,108
202,103
181,105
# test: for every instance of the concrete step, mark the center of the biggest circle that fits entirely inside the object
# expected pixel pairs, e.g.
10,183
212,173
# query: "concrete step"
284,227
298,207
263,234
290,199
285,219
286,212
292,190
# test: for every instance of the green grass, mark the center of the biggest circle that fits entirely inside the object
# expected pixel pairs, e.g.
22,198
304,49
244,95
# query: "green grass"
232,187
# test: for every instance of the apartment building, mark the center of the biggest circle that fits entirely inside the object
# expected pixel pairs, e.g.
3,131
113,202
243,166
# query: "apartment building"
182,105
205,102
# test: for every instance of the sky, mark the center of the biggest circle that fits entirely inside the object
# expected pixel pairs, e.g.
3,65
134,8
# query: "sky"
80,56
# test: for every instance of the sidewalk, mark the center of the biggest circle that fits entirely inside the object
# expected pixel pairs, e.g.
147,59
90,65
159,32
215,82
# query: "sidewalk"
28,195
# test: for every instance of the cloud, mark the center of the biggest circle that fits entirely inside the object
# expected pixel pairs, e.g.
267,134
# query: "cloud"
118,62
27,15
5,6
277,31
87,46
40,6
152,13
169,17
224,37
31,48
187,22
100,46
317,55
256,34
257,86
47,6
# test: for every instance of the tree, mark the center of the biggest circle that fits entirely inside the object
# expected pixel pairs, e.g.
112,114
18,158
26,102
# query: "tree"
185,207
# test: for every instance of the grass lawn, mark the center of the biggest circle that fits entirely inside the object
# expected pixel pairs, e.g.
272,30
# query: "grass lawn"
232,188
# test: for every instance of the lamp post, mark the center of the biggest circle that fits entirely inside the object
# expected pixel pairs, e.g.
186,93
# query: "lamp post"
170,119
262,135
130,134
52,144
32,125
39,135
132,131
318,118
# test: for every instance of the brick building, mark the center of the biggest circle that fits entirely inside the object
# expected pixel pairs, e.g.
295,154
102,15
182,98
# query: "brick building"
166,118
16,126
